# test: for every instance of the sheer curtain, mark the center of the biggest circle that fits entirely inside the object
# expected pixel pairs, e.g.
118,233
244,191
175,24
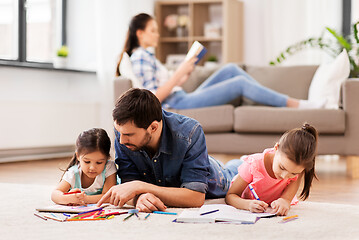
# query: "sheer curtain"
273,25
112,19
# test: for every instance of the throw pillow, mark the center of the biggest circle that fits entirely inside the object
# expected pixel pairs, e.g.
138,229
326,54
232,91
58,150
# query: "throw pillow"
328,79
126,71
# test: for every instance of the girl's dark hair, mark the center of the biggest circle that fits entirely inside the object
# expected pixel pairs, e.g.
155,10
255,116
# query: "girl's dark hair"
138,22
95,139
300,146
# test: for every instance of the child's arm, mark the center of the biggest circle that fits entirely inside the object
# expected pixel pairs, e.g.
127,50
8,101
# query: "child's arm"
58,196
282,204
109,182
233,197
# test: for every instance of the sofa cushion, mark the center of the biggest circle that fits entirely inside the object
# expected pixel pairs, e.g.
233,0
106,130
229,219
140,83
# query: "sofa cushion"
328,79
213,119
256,119
293,81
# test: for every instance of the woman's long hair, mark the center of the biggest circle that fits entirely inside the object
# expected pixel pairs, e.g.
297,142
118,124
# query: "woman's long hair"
138,22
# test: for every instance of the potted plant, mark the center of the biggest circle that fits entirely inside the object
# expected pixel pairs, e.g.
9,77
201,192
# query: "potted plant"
333,48
61,57
211,61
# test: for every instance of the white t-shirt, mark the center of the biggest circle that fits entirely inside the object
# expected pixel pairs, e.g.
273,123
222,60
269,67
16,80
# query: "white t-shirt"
69,177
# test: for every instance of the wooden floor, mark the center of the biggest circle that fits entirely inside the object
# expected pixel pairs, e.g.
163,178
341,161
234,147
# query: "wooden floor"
333,185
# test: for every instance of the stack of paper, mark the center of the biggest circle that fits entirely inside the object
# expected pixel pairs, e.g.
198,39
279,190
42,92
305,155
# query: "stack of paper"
213,213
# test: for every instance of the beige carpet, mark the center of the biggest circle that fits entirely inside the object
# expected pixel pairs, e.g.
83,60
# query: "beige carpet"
316,221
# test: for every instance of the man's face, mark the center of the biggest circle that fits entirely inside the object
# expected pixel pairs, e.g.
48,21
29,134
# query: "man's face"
132,137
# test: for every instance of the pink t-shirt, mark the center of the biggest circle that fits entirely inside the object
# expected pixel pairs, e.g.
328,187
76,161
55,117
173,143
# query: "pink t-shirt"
253,171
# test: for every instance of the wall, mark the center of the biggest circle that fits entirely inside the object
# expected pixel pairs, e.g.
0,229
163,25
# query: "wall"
45,107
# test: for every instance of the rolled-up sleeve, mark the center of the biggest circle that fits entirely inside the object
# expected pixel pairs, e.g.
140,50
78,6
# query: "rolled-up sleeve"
195,169
196,186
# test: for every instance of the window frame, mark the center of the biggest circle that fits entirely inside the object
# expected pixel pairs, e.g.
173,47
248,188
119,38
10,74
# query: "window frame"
21,56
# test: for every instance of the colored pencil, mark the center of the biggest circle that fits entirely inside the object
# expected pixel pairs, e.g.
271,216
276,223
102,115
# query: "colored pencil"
38,215
213,211
168,213
255,195
112,213
147,216
94,210
53,218
67,193
286,218
128,216
85,219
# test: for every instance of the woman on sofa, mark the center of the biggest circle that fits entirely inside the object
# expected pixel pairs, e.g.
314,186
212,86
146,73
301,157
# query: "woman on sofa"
225,85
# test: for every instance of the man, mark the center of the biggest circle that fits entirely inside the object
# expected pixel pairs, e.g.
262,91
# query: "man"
162,157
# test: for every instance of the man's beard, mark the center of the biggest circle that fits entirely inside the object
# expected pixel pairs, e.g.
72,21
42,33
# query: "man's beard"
144,143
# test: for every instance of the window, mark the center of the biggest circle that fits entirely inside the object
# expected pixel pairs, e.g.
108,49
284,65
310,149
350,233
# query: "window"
30,29
39,30
8,29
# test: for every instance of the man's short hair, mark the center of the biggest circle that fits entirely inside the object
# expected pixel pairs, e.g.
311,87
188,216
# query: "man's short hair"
139,106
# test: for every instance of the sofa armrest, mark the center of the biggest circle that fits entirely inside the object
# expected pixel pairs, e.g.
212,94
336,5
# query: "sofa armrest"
350,95
121,85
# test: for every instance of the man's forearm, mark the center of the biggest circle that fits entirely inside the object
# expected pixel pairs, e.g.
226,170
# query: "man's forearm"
174,197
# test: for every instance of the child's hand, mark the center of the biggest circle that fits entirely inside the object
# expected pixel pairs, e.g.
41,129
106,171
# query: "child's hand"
77,198
75,190
281,206
257,206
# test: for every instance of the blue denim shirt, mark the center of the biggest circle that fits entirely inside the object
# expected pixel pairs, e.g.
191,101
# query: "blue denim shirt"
181,160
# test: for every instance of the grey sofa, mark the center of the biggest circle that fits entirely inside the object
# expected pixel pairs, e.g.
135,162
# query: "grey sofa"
250,128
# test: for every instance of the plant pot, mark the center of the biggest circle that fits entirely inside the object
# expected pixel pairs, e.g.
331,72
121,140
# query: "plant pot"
210,64
60,62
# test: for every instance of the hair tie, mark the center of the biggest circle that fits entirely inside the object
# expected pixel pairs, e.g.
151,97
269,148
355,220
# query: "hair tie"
305,127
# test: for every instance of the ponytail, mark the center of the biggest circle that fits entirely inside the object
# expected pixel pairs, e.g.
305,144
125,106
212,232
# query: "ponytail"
308,178
74,161
300,146
138,22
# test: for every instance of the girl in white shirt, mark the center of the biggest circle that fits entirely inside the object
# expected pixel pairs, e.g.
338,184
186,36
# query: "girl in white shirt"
90,173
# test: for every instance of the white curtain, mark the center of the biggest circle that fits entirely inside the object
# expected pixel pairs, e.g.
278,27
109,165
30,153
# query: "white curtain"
273,25
112,19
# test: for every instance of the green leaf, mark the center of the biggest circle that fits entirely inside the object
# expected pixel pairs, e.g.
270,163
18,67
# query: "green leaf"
342,41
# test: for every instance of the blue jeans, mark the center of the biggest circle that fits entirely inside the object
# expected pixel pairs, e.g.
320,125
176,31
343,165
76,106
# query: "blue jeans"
223,175
225,85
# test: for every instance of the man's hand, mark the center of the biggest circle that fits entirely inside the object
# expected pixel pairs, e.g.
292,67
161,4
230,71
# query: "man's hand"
148,202
120,194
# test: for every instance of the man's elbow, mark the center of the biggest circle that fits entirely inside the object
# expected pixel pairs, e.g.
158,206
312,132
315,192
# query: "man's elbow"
198,201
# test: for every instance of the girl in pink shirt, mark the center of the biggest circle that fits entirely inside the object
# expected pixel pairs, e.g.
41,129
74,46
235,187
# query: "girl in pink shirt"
275,174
